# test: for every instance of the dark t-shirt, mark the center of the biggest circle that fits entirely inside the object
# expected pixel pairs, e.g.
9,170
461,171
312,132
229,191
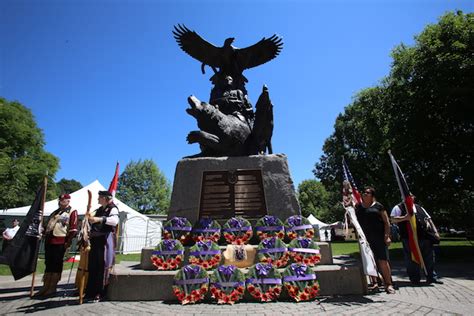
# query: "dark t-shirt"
371,221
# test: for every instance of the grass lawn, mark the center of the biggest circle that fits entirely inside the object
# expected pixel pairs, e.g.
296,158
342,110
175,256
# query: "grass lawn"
5,270
450,250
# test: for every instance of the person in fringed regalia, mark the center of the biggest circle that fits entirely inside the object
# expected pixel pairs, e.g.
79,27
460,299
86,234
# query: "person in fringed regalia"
103,243
60,231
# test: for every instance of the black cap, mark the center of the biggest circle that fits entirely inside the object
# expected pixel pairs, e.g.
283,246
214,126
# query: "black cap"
105,193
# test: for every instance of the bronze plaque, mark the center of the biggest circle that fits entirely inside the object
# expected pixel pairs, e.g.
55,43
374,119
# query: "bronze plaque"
225,194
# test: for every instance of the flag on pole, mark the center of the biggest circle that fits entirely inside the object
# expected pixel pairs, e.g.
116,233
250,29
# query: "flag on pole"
22,253
351,197
114,183
407,198
355,195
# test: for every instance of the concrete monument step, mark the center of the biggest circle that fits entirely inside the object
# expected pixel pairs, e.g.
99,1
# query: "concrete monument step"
129,282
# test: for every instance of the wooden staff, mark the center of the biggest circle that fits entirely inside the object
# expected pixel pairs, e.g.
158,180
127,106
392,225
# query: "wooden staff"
45,184
84,246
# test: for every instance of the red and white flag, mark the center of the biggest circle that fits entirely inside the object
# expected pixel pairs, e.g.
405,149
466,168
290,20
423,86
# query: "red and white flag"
114,182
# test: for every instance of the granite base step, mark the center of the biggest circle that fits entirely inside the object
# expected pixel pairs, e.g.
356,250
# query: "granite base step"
129,282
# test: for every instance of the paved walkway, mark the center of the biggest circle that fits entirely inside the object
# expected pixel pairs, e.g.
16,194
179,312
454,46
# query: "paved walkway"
454,297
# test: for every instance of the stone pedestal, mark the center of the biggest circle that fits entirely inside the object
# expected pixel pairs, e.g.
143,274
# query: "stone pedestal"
145,262
278,187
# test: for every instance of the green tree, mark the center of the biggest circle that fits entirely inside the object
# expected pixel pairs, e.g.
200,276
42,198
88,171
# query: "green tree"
312,197
423,112
143,187
67,186
23,160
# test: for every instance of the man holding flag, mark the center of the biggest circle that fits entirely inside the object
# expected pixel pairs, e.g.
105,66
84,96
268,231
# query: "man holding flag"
417,231
22,253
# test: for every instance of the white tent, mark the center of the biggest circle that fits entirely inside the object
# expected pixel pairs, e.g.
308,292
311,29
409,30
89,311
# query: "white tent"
136,230
324,227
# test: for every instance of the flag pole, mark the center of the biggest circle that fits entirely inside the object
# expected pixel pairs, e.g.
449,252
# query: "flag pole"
415,251
45,185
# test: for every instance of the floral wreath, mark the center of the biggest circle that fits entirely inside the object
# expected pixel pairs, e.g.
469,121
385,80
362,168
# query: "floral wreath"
237,231
298,226
191,284
273,250
206,254
264,282
168,254
227,284
177,228
207,229
300,282
304,250
270,226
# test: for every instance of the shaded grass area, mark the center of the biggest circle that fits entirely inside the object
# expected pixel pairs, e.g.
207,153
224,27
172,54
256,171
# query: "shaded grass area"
451,250
5,270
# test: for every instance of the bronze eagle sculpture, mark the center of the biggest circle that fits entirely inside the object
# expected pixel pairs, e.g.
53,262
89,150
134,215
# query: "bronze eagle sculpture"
228,125
230,60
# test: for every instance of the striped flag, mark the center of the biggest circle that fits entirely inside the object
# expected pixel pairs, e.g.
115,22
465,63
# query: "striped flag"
351,197
407,198
355,195
114,183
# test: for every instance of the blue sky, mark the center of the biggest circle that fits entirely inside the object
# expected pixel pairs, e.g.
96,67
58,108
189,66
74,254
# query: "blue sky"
107,82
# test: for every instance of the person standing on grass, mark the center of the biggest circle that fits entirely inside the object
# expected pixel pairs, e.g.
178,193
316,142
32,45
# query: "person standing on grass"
9,233
375,223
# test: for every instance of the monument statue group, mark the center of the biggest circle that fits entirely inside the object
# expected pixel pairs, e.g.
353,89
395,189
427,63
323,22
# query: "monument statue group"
234,229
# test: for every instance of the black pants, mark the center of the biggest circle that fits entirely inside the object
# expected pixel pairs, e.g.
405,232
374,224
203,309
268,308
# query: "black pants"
95,282
54,255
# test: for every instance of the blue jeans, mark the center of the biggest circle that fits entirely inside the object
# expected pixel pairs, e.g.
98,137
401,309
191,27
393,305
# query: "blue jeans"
413,269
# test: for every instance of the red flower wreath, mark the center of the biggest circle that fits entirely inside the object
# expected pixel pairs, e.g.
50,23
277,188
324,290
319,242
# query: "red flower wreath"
300,282
264,282
237,231
168,255
207,229
274,251
177,228
270,226
298,226
191,284
304,250
206,254
227,284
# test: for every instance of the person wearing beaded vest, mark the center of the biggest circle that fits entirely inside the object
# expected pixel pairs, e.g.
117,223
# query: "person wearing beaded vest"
103,242
60,231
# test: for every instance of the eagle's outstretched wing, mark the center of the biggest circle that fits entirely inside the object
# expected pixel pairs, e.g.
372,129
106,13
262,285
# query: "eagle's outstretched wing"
196,46
259,53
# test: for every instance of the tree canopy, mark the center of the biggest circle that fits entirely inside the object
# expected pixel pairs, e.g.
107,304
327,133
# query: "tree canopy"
423,112
23,160
143,187
67,186
314,199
